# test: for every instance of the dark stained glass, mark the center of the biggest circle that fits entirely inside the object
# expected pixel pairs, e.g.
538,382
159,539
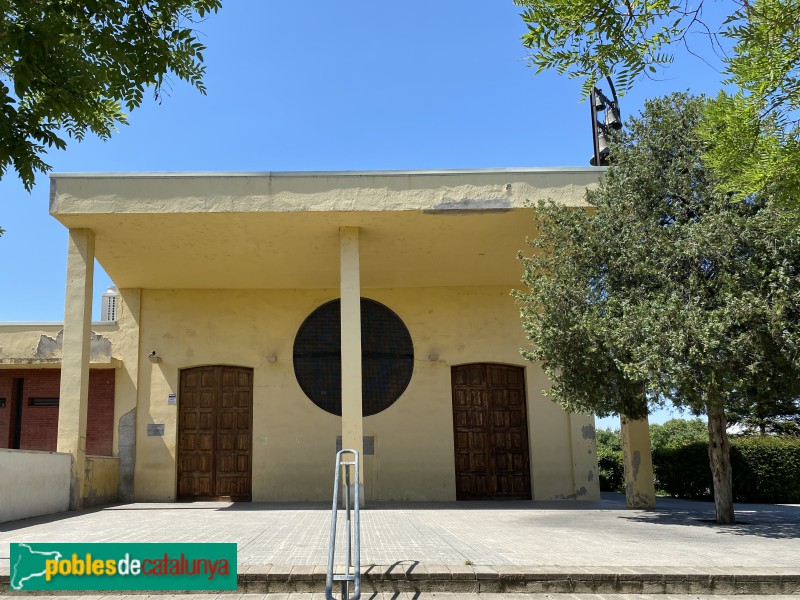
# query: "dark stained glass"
387,357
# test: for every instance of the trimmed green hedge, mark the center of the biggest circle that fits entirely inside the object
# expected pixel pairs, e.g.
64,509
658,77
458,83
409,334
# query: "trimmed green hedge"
612,476
765,469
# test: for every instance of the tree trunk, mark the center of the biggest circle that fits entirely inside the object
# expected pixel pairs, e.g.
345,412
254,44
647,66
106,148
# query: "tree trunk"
719,456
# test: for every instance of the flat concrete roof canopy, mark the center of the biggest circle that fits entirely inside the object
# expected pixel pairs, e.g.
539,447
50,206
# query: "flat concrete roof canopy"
280,230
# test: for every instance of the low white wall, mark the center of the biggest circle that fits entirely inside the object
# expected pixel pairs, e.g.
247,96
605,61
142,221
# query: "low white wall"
33,483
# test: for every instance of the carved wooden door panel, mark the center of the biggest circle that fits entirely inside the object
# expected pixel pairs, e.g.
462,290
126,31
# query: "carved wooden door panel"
491,432
215,433
234,433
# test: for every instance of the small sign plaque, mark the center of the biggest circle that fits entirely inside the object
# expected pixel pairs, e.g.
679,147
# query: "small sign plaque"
155,429
172,399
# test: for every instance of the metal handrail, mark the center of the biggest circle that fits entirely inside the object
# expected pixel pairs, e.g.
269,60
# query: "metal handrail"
352,566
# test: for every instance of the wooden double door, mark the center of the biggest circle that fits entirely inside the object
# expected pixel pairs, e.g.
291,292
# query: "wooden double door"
491,432
215,433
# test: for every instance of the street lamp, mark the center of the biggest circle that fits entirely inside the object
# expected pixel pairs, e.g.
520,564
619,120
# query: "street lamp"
599,102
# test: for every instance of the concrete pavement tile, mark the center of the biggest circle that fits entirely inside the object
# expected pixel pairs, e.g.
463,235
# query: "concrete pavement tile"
643,576
461,571
302,573
484,572
509,572
438,596
417,571
439,572
320,572
279,573
395,571
491,534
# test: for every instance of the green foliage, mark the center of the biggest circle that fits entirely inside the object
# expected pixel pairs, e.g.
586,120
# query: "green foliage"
608,438
676,433
781,416
683,471
765,469
755,130
68,68
609,460
754,150
611,470
593,39
667,289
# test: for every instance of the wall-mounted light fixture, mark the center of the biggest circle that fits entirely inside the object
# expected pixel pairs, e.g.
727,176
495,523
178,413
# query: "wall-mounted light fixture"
153,357
272,358
433,356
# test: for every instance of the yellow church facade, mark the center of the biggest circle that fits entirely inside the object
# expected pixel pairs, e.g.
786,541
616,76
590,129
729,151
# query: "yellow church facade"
266,319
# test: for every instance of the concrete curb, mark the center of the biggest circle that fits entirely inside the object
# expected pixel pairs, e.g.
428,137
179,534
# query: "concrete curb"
262,579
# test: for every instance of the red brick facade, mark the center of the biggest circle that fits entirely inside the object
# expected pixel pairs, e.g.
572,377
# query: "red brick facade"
39,424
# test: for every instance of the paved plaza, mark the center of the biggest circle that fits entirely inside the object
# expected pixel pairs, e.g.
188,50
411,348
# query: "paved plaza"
677,536
411,596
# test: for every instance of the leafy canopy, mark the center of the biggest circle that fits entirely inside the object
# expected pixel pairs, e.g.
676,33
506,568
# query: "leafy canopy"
666,290
68,68
675,433
756,127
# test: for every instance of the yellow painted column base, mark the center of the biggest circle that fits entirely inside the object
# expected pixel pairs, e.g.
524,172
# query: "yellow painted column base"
640,489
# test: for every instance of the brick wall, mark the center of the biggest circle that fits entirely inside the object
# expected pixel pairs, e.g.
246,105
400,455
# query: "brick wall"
100,421
6,392
40,423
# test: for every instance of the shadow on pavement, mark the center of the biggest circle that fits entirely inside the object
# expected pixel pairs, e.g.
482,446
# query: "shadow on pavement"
767,521
45,519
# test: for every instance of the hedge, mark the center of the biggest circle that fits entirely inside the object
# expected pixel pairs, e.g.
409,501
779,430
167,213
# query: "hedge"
609,462
765,469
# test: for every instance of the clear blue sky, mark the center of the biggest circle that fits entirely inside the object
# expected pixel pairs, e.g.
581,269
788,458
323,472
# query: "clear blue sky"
355,85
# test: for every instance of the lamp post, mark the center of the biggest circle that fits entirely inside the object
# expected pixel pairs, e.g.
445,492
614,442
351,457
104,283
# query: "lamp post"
599,102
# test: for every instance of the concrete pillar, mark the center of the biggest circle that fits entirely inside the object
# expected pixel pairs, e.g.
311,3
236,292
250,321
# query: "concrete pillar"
585,477
126,389
74,394
350,283
637,460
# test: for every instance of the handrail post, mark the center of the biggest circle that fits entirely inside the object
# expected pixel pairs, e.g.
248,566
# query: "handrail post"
352,531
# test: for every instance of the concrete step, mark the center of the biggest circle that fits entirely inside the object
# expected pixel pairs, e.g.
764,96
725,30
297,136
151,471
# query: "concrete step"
476,579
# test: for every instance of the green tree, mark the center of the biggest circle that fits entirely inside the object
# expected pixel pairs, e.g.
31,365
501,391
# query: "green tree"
756,127
68,68
774,416
609,460
666,290
677,432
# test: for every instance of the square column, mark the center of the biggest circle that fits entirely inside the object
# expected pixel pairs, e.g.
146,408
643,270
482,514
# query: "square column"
640,490
585,476
350,286
74,394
